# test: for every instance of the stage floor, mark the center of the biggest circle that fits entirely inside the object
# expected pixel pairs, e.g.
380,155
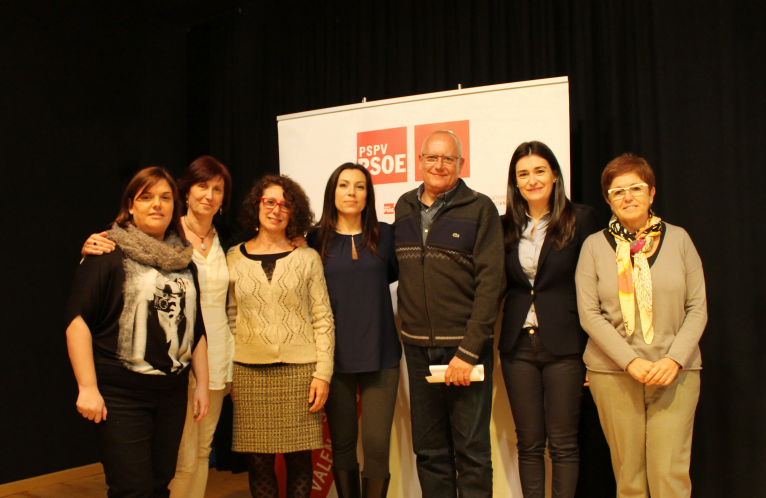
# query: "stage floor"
219,485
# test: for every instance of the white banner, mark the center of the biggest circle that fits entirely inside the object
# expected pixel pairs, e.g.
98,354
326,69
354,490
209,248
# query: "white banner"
385,136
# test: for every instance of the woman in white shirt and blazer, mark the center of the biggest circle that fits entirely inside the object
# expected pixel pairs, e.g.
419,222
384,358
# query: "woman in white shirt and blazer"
541,343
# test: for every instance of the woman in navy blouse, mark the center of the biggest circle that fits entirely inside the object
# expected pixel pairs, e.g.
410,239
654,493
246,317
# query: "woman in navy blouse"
360,263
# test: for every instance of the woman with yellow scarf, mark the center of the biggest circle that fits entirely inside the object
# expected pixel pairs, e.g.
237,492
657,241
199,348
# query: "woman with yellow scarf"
641,299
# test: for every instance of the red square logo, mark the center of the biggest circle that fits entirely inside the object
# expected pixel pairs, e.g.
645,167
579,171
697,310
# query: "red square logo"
388,208
459,128
384,154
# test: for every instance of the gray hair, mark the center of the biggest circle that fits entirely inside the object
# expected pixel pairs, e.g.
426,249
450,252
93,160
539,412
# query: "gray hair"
447,132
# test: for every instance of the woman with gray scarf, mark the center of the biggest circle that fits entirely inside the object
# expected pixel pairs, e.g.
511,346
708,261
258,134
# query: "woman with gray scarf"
134,331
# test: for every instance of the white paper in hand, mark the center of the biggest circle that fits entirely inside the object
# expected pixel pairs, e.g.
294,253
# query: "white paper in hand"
437,374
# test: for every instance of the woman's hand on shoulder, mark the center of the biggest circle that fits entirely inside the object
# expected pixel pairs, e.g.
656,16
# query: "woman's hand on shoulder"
91,405
299,241
96,245
663,372
318,393
639,368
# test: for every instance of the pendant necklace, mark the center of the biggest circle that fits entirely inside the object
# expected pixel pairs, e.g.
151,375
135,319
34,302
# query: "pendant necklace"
202,239
354,254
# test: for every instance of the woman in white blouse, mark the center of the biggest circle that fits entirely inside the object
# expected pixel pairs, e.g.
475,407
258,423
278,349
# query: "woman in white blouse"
206,188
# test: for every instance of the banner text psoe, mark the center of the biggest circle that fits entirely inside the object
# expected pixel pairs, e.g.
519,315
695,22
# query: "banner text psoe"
384,154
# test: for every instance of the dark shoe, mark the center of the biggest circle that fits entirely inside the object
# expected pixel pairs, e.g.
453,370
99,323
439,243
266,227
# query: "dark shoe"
375,488
346,483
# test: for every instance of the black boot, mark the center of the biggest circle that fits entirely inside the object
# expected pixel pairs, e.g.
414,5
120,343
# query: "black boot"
375,488
346,483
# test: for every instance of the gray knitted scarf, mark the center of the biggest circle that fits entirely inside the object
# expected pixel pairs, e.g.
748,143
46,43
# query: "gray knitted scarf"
168,255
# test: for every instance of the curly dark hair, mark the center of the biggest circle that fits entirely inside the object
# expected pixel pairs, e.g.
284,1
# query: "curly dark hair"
301,216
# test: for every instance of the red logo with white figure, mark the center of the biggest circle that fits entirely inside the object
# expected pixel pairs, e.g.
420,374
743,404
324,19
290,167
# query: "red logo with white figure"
459,128
384,154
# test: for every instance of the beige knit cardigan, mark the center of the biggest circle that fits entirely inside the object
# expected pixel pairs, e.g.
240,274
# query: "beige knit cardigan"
287,320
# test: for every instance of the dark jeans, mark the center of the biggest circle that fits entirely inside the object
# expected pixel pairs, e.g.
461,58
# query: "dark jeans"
138,442
545,392
450,427
378,392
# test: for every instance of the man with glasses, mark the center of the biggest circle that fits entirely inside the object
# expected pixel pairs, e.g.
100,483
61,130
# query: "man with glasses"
449,244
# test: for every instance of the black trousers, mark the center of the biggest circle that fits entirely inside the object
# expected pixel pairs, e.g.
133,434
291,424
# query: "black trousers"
545,392
138,442
378,394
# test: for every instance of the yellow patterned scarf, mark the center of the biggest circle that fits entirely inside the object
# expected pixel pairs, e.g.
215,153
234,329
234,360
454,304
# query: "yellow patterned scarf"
634,282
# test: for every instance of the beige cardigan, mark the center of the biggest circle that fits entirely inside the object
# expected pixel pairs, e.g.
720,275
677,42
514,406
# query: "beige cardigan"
287,320
680,306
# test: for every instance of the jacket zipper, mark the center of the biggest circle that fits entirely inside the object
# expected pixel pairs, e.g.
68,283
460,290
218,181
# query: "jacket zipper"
423,246
423,263
423,257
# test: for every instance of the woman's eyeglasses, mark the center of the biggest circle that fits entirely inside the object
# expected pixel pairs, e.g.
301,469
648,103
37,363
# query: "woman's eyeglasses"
270,203
636,190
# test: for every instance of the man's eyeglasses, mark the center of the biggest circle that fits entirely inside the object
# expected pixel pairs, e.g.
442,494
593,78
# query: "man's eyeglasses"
270,203
636,190
446,160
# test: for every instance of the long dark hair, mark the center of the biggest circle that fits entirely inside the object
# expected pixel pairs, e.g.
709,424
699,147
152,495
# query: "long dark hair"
329,221
561,227
143,181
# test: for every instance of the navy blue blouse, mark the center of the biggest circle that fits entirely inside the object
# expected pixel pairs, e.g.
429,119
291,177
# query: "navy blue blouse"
365,333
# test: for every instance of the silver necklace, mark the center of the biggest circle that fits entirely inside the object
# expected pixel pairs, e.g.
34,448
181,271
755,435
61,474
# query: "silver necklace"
202,239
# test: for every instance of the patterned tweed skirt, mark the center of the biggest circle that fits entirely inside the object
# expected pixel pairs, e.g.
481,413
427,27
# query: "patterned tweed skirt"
271,409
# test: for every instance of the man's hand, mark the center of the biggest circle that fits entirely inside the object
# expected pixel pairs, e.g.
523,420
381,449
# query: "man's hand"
639,368
458,372
663,372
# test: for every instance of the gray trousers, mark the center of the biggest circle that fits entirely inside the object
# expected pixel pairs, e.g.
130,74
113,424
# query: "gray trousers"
378,391
649,431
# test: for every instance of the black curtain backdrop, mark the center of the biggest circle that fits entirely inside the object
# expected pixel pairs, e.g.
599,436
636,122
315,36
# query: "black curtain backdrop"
90,93
94,90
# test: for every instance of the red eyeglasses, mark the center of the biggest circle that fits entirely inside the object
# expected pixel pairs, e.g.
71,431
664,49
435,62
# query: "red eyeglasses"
270,203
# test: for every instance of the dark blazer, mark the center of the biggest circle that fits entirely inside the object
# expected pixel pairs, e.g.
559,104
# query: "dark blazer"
554,293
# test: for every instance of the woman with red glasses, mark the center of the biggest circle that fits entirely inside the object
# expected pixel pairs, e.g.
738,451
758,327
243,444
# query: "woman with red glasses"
284,334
